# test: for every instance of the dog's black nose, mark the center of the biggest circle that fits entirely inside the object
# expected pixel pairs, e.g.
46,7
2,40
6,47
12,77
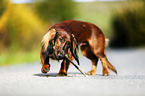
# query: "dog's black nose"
60,56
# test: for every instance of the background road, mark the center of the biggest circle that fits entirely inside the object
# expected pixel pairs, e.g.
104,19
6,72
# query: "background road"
27,80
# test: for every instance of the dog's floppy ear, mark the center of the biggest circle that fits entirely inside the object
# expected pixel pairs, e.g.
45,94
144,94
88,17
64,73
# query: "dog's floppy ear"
50,49
51,34
48,42
74,47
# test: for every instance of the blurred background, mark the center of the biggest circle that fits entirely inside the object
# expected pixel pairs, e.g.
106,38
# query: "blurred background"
23,24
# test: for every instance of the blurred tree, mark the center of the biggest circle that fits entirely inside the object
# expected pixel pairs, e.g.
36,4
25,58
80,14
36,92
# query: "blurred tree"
3,19
55,10
129,25
20,29
2,6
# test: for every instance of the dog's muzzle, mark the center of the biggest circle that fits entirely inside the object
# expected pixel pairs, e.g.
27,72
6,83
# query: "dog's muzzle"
60,56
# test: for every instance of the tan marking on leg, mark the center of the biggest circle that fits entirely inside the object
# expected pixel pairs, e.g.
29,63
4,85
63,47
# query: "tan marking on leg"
105,67
93,71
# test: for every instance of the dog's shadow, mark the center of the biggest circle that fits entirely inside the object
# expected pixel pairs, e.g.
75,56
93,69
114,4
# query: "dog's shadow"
71,74
46,74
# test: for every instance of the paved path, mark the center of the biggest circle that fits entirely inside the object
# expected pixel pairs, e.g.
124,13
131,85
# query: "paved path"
27,80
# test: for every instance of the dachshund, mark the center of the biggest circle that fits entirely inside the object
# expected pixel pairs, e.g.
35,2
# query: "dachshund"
63,39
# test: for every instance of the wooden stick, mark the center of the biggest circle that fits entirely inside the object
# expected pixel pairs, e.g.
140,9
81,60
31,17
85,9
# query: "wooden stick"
75,66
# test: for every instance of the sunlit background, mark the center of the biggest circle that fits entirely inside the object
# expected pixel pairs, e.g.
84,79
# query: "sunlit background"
24,22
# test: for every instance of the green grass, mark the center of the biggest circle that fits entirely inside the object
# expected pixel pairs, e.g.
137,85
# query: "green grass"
19,57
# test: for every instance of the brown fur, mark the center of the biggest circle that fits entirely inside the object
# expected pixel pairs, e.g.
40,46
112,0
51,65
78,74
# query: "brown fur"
88,36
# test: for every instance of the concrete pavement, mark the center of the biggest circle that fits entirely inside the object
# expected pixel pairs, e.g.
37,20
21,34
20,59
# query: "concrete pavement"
27,80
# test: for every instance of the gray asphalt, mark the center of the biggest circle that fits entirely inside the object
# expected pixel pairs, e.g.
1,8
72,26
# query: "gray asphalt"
27,80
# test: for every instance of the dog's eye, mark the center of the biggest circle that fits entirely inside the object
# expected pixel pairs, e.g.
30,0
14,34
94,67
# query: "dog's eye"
60,39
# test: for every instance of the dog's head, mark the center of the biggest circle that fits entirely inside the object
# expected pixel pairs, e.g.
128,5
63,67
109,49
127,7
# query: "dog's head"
58,43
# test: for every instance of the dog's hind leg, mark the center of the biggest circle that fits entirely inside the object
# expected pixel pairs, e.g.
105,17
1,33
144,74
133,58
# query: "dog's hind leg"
105,70
110,66
97,44
94,66
90,55
99,52
107,65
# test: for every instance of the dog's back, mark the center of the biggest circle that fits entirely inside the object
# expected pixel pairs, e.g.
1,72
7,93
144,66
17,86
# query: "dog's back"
82,30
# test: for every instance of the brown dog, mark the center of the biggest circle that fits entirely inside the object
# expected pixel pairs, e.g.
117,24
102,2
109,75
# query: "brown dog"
63,39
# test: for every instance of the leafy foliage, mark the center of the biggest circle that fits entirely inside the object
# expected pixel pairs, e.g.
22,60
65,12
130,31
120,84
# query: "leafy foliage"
55,10
20,29
2,6
128,25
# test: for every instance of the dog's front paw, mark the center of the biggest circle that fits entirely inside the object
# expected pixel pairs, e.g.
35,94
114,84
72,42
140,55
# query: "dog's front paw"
62,73
45,68
92,72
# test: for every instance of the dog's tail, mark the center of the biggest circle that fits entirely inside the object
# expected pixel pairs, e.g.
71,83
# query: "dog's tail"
106,41
111,67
